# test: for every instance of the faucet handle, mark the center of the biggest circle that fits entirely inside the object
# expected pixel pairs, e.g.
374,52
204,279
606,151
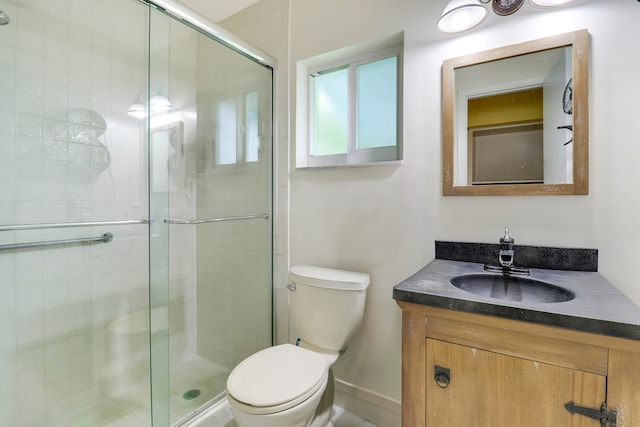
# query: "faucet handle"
506,249
507,238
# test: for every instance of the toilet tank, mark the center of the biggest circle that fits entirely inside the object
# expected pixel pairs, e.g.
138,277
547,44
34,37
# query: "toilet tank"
326,305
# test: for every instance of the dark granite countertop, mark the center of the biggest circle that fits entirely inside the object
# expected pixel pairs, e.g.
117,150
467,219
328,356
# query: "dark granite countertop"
598,306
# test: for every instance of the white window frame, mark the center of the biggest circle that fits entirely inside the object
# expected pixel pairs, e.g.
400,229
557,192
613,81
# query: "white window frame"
355,156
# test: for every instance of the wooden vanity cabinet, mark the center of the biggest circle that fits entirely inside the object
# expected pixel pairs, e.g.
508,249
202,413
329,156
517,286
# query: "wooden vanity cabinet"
461,369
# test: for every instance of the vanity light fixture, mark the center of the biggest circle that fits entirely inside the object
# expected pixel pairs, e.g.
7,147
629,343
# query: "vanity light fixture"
461,15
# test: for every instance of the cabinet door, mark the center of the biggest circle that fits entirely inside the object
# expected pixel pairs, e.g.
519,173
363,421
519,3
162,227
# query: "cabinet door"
492,390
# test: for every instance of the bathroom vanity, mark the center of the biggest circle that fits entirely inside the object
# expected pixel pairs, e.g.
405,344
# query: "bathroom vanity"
503,360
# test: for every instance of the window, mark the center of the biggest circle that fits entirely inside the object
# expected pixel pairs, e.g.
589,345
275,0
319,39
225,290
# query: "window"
355,110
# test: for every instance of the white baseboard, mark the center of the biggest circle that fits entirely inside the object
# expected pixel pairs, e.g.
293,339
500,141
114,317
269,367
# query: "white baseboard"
374,407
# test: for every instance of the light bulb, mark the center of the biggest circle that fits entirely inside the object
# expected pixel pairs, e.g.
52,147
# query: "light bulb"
551,3
461,19
461,15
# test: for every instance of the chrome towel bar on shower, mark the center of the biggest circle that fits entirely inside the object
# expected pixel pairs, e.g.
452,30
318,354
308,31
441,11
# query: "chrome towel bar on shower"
105,238
40,226
206,220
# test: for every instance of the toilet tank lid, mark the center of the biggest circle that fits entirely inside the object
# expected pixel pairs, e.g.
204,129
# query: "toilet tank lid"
329,277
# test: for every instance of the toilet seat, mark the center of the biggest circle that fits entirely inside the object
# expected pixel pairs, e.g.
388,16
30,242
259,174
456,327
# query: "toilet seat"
277,378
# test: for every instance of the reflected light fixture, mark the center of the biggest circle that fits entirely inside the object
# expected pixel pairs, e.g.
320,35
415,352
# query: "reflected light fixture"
461,15
137,109
160,103
4,19
550,3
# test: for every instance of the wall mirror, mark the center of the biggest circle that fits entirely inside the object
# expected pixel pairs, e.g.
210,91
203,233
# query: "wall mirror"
516,119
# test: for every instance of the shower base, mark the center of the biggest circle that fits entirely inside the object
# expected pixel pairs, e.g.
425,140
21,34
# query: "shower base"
220,415
132,408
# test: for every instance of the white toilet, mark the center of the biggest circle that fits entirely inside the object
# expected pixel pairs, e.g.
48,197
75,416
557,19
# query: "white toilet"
292,385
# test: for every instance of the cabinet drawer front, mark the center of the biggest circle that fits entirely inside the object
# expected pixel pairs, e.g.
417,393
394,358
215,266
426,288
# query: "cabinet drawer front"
490,389
568,354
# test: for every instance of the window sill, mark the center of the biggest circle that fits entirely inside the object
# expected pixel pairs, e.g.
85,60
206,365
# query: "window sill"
352,165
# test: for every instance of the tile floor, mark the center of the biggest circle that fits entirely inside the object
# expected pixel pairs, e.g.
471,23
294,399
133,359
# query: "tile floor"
342,418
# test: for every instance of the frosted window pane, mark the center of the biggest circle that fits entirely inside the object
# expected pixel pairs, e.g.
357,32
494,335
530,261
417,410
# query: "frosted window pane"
377,104
252,140
331,113
226,132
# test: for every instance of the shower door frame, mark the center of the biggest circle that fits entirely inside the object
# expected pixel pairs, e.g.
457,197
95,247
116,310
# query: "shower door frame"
207,27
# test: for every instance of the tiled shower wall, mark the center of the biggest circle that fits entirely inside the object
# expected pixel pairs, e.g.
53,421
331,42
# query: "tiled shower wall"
234,270
234,258
265,24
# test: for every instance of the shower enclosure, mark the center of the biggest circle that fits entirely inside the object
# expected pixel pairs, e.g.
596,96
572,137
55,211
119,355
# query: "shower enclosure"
135,211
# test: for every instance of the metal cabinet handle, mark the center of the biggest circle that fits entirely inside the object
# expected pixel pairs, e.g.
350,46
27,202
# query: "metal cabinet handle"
442,376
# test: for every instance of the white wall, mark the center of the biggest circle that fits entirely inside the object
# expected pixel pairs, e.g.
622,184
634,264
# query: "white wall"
384,219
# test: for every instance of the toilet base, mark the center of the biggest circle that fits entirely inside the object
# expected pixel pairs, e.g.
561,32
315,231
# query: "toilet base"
325,407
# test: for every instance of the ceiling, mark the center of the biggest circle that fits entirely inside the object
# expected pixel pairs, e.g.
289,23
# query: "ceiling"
217,10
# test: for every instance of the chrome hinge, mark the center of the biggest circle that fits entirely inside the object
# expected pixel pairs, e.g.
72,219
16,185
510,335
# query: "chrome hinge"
604,415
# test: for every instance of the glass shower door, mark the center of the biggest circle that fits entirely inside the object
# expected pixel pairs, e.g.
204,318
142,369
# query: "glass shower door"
73,304
109,313
210,148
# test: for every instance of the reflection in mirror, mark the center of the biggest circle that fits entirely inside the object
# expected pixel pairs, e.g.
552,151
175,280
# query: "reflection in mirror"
515,119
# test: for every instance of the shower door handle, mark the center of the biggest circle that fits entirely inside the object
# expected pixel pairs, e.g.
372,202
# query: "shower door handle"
42,226
220,219
105,238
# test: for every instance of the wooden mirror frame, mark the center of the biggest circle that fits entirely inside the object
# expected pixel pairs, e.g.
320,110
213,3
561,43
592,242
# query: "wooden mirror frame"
579,40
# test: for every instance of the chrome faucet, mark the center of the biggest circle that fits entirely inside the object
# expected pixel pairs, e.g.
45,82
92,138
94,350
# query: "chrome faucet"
506,249
505,258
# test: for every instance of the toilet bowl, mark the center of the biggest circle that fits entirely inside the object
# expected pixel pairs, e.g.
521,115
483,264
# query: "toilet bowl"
279,386
292,385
